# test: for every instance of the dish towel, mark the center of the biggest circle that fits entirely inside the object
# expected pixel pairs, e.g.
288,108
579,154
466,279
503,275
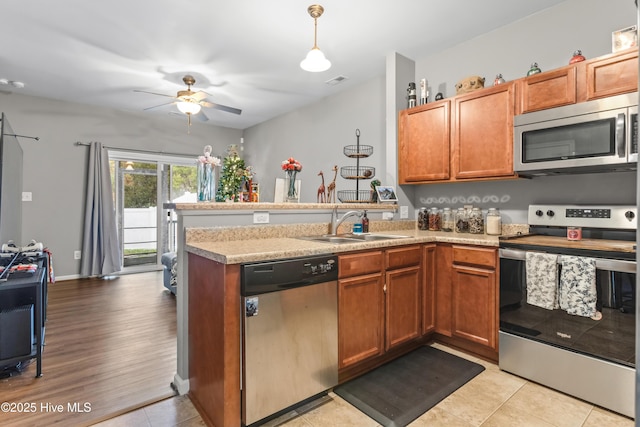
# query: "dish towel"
578,294
542,279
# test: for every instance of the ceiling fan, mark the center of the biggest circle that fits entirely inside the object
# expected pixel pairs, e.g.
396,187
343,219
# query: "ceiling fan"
190,102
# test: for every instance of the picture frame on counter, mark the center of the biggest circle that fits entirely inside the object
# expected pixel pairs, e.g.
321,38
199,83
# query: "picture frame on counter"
386,194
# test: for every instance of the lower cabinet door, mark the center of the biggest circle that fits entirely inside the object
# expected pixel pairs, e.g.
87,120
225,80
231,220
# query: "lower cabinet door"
474,305
360,318
403,306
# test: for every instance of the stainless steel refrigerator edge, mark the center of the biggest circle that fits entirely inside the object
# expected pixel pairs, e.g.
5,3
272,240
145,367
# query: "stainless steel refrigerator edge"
637,400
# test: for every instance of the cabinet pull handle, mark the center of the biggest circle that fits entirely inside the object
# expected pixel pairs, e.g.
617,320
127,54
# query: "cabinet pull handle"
384,288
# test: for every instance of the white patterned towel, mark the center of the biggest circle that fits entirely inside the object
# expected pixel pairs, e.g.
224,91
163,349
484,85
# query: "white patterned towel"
542,280
578,294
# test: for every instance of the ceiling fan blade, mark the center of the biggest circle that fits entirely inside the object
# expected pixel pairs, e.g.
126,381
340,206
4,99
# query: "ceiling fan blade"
220,107
161,105
200,95
154,93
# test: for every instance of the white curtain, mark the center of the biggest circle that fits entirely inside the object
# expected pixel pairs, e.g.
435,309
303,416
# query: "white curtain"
100,247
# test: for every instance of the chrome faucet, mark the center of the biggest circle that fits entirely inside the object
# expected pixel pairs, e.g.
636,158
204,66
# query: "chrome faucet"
335,221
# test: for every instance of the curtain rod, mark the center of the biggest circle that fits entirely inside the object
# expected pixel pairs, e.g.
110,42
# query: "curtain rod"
132,150
37,138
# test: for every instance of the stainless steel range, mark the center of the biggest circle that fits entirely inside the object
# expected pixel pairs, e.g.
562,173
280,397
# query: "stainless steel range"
568,302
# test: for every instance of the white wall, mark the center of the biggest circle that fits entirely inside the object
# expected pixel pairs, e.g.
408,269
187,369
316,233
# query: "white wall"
316,135
55,169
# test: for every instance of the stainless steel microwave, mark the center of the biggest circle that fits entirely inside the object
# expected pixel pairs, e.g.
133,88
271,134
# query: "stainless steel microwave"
593,136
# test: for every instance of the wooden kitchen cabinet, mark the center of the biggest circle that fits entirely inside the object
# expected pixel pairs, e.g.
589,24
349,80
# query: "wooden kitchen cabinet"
467,138
482,136
402,292
608,75
466,297
379,305
612,74
550,89
474,295
360,307
423,143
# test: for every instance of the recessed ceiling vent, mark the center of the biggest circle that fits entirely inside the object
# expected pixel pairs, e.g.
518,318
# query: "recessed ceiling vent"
336,80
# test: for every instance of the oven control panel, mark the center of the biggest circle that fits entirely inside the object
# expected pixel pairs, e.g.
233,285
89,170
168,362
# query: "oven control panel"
623,217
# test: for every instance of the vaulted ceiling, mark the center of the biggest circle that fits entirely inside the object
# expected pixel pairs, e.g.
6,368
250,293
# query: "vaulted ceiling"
244,53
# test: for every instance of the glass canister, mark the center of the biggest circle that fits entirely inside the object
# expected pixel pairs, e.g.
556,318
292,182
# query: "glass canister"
435,219
462,223
448,220
423,221
476,221
494,222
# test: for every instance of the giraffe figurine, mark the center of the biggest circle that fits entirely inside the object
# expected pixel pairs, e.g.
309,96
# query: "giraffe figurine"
321,197
331,189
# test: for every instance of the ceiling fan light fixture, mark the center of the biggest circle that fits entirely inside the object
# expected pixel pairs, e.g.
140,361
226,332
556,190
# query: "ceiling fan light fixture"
315,61
189,107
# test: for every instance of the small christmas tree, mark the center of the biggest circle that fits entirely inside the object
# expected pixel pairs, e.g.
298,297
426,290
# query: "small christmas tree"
231,176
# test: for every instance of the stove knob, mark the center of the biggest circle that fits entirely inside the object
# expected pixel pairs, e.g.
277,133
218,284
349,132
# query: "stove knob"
629,215
550,213
539,213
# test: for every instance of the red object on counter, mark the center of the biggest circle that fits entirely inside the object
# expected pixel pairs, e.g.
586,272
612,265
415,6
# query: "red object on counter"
574,233
577,57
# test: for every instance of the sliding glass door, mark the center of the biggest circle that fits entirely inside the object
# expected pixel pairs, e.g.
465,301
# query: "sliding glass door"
142,183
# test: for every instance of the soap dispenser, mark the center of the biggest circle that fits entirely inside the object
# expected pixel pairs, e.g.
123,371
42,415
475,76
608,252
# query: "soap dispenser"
365,223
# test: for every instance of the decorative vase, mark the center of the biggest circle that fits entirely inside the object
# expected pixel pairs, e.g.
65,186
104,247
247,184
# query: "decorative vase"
290,186
206,182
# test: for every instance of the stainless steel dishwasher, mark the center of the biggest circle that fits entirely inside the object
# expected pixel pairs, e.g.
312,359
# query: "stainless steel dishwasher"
290,334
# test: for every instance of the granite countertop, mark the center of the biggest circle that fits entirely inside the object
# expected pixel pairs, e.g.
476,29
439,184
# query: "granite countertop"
234,245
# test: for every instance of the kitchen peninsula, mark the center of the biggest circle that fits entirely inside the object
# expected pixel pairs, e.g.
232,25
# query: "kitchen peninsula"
212,258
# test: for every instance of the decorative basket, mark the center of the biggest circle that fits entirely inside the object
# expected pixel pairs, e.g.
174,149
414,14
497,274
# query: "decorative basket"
357,172
358,151
353,196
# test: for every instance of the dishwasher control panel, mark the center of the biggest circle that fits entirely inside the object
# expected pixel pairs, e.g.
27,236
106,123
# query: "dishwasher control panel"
273,276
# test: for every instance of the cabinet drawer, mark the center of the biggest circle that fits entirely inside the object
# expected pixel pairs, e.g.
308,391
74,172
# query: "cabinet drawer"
359,263
402,257
485,257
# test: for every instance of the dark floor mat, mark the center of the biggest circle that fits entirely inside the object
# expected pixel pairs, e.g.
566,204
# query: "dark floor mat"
400,391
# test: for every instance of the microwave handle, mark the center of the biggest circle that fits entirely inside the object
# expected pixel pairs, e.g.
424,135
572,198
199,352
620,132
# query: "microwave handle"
620,136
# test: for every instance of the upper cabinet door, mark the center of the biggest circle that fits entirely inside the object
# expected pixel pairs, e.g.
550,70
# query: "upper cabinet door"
550,89
612,75
482,139
423,143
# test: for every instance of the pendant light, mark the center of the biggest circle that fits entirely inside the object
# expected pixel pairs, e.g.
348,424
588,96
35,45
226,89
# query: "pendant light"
315,60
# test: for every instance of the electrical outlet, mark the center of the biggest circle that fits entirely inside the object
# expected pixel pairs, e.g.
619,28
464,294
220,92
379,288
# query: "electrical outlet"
387,215
404,212
261,217
27,196
77,254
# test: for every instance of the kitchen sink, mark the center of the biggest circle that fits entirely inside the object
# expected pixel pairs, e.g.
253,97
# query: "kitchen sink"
351,238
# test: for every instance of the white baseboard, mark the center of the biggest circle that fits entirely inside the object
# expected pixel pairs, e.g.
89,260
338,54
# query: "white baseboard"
180,385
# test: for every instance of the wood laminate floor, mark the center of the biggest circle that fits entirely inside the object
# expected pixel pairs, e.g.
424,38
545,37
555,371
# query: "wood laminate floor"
110,347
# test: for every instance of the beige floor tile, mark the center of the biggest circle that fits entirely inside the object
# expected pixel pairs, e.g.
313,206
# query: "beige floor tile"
337,413
552,406
170,412
136,418
600,417
436,417
507,416
480,397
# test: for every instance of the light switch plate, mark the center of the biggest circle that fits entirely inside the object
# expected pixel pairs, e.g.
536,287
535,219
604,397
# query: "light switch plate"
27,196
404,212
261,217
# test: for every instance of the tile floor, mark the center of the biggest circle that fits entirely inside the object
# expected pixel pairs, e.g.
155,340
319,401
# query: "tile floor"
492,399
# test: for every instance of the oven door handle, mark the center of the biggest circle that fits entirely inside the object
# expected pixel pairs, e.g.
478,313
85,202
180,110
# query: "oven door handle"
616,265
